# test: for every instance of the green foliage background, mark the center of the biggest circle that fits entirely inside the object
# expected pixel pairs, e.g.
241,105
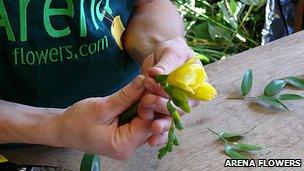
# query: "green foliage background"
218,29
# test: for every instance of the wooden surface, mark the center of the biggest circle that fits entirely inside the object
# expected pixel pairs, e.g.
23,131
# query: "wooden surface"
281,132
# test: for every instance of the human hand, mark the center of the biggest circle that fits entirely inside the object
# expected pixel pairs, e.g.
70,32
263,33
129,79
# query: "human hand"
91,125
166,57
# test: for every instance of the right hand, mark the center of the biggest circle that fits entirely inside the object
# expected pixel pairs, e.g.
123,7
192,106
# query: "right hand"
91,125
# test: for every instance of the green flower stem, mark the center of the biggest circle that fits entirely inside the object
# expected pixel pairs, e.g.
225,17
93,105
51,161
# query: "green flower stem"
218,135
175,116
128,115
242,98
176,141
161,78
172,140
131,113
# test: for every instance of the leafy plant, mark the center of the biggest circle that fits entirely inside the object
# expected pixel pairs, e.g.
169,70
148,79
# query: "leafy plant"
271,96
234,149
220,28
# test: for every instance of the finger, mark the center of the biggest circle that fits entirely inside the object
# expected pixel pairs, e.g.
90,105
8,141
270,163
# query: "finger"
161,125
167,63
147,63
126,97
130,136
193,103
145,113
170,55
158,104
153,87
158,139
155,103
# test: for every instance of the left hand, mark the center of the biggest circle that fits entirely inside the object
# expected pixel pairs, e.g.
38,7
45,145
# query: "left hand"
166,57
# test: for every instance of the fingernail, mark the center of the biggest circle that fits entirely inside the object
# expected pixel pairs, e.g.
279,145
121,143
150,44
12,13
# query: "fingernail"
160,69
138,82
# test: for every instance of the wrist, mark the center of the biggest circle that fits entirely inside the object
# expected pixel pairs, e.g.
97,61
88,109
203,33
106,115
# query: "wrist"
32,126
50,128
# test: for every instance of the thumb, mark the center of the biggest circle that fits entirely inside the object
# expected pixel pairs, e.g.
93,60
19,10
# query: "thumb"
167,63
126,97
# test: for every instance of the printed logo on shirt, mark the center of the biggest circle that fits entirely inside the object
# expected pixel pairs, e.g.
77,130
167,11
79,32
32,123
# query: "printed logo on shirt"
99,10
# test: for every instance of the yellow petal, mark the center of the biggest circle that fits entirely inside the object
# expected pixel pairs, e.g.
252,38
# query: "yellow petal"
184,67
190,74
3,159
200,75
191,61
181,85
117,30
204,92
183,73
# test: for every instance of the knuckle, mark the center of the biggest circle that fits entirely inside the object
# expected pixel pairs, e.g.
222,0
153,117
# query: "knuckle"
123,96
150,100
179,39
99,104
164,48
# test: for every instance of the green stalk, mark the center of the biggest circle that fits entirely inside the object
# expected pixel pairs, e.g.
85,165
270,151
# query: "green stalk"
131,113
218,135
128,115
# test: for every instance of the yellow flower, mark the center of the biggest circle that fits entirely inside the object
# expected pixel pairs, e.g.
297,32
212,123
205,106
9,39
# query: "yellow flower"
191,79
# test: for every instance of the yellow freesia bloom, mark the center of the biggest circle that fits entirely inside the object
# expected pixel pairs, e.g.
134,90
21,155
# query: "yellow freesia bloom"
191,78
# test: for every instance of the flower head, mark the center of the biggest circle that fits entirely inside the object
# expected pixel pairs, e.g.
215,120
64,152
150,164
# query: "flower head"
191,79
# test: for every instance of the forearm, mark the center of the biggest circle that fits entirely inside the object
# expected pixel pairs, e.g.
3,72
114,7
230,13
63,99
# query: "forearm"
151,23
25,124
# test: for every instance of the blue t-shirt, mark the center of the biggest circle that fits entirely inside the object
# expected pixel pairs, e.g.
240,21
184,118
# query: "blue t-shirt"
54,53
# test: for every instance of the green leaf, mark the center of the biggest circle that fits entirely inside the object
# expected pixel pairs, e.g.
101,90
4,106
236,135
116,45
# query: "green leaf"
201,31
254,2
273,102
230,136
233,6
217,32
274,87
246,82
227,16
203,58
233,153
290,97
295,82
247,147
